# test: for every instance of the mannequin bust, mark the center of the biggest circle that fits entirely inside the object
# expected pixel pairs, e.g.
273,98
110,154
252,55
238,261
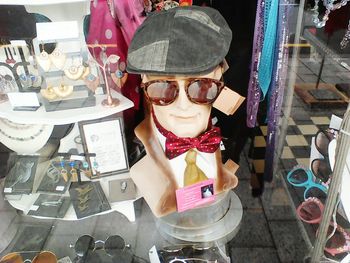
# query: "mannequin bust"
181,81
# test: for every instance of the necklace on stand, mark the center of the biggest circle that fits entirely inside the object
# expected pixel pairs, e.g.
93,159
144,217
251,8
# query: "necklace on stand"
28,138
16,126
346,38
330,6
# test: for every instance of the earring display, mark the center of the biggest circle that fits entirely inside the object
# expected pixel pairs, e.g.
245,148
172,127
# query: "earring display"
43,60
74,72
63,90
57,177
88,199
48,93
58,59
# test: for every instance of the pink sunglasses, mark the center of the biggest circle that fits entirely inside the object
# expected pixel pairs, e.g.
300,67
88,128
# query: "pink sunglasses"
310,211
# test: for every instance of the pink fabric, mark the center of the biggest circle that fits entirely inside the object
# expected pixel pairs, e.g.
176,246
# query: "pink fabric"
104,29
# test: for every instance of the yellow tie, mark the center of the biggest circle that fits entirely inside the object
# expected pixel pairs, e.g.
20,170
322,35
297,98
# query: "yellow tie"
193,174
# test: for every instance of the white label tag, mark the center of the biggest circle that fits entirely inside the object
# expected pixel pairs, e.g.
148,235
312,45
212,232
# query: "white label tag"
99,91
8,190
34,207
57,30
77,157
153,255
59,188
18,99
222,146
18,43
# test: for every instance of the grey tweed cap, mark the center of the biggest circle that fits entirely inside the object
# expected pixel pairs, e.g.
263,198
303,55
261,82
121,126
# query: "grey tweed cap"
180,41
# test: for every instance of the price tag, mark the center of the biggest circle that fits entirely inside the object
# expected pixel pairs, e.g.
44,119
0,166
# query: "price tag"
8,190
77,157
34,207
59,188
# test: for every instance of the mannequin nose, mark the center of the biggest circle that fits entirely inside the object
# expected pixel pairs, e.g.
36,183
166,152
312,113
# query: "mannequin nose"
182,102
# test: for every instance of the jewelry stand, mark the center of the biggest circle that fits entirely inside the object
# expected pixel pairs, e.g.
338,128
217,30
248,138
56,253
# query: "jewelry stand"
217,222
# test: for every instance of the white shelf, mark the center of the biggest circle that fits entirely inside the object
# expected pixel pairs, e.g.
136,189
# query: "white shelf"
39,2
65,116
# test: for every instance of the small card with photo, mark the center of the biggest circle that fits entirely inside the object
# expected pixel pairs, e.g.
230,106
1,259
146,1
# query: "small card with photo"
53,206
88,199
21,174
195,195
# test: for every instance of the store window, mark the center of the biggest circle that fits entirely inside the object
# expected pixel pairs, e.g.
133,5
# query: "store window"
174,131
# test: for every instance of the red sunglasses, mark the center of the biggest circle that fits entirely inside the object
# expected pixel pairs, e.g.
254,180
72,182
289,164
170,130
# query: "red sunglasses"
198,90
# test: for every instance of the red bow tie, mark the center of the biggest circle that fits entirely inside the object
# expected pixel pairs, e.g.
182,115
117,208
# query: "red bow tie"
174,146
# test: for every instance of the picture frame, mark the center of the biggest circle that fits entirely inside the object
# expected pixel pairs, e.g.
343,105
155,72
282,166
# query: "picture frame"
104,145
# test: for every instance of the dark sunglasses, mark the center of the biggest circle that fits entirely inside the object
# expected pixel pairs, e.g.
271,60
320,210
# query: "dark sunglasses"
198,90
113,245
322,140
321,170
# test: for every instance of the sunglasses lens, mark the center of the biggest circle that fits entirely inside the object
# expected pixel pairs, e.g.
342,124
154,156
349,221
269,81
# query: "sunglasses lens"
203,91
337,240
322,142
45,257
316,192
114,244
84,244
299,176
309,211
162,93
321,169
12,258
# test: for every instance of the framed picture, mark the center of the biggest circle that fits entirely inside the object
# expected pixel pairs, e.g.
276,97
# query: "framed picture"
104,145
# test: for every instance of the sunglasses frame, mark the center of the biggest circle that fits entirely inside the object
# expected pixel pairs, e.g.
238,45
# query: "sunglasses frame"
331,134
96,242
188,82
36,259
342,249
315,174
306,202
308,184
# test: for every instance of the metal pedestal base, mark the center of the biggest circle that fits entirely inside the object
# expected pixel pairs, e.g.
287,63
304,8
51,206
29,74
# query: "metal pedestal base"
221,231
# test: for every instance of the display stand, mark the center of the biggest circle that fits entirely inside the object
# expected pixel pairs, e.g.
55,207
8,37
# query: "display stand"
217,222
67,143
334,189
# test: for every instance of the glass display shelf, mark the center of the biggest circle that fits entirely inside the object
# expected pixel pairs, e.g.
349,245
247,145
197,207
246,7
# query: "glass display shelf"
65,116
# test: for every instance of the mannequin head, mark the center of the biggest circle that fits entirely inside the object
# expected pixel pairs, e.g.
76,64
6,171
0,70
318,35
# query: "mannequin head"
183,117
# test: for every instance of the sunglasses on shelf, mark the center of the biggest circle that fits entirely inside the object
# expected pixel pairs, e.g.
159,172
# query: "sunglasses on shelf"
191,260
42,257
321,170
322,140
202,91
302,177
310,211
339,240
113,245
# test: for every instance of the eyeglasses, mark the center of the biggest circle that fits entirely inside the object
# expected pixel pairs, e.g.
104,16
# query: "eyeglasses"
321,170
311,210
190,253
322,140
113,245
302,177
191,260
42,257
202,91
339,241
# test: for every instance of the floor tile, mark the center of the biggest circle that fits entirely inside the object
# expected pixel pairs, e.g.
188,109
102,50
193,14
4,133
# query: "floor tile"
287,153
303,161
254,255
276,204
296,140
244,193
301,151
254,231
320,120
291,246
259,141
308,129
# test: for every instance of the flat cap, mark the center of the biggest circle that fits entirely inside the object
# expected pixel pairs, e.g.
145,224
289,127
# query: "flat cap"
180,41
